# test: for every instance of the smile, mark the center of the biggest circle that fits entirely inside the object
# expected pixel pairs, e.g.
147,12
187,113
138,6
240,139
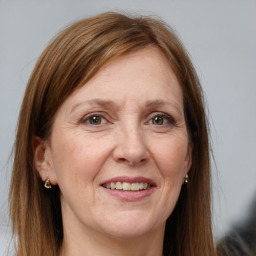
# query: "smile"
129,189
127,186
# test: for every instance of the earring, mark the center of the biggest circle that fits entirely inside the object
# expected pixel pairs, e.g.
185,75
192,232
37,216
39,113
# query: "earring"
186,179
47,184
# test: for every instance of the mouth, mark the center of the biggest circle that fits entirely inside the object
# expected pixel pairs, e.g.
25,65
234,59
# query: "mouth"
127,186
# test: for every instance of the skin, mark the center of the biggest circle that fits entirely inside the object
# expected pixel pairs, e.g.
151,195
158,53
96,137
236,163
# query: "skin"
142,132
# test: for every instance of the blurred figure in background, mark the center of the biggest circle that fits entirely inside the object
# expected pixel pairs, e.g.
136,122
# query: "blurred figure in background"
241,240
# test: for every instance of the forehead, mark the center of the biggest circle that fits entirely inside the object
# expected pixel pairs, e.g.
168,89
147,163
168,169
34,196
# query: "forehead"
144,75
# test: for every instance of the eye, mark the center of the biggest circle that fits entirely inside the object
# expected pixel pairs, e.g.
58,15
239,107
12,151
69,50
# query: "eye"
94,119
162,119
158,120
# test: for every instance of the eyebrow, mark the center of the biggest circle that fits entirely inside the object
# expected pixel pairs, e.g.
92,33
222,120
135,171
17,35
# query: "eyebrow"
108,104
159,103
96,102
155,103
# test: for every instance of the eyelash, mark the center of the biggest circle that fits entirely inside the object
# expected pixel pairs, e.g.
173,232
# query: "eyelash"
167,120
86,119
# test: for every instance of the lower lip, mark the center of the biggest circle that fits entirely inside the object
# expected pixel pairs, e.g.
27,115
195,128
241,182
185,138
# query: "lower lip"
130,195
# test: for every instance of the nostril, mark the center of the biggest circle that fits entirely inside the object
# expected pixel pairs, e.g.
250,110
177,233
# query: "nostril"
127,161
132,163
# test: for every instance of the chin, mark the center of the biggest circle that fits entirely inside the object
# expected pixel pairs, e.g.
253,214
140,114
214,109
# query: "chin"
127,233
130,225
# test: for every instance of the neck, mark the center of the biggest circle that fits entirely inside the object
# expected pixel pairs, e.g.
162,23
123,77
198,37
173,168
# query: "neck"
97,244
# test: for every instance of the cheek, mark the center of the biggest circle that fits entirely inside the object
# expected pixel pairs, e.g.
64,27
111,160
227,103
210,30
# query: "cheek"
76,163
170,156
78,159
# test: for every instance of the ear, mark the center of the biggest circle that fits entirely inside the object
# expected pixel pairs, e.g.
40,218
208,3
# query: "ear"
188,159
43,160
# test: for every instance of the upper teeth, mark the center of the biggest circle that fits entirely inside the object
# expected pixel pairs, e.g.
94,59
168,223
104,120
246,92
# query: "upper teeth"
135,186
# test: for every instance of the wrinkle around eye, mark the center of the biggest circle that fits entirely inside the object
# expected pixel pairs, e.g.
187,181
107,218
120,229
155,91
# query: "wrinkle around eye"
174,125
160,119
102,122
94,120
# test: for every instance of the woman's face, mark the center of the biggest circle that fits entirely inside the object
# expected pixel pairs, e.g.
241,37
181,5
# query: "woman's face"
119,148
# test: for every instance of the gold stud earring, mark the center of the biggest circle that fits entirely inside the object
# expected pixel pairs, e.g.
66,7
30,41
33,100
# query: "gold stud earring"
47,183
186,179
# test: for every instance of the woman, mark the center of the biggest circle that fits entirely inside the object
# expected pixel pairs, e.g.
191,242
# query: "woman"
112,152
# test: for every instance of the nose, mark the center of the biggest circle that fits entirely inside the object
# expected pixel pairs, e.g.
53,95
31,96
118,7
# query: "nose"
131,148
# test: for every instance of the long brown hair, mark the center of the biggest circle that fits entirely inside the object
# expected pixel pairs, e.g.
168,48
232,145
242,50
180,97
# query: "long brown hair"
69,61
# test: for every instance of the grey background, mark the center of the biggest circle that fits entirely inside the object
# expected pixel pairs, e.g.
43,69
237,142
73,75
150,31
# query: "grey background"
220,37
